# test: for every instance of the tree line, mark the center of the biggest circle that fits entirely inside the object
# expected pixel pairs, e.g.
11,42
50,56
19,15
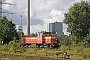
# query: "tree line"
8,31
78,20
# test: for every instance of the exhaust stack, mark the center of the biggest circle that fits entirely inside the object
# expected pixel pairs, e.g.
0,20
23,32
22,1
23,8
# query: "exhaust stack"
28,19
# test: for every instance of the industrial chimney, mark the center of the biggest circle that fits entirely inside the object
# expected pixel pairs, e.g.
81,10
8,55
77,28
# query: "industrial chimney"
28,19
1,8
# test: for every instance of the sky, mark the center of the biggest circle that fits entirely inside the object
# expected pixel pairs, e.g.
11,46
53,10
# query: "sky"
42,12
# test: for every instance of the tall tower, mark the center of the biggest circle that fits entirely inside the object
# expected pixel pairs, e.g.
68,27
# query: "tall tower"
0,8
28,19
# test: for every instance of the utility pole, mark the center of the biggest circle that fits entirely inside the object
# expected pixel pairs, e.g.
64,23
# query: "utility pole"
1,8
21,26
28,19
21,19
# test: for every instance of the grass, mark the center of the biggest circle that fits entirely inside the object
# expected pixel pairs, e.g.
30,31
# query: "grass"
75,52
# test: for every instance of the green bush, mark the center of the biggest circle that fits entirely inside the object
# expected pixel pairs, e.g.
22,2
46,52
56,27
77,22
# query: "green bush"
16,46
63,48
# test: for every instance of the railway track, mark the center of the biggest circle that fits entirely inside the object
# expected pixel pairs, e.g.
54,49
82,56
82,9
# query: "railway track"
23,57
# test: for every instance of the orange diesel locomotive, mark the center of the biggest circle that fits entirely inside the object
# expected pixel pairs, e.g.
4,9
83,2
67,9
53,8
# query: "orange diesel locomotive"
43,39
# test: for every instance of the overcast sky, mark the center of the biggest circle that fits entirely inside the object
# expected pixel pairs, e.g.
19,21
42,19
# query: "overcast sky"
42,12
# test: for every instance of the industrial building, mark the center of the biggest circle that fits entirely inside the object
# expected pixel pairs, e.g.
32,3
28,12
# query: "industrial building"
56,28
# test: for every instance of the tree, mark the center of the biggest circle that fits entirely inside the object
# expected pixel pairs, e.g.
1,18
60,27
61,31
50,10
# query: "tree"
20,33
78,19
7,30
